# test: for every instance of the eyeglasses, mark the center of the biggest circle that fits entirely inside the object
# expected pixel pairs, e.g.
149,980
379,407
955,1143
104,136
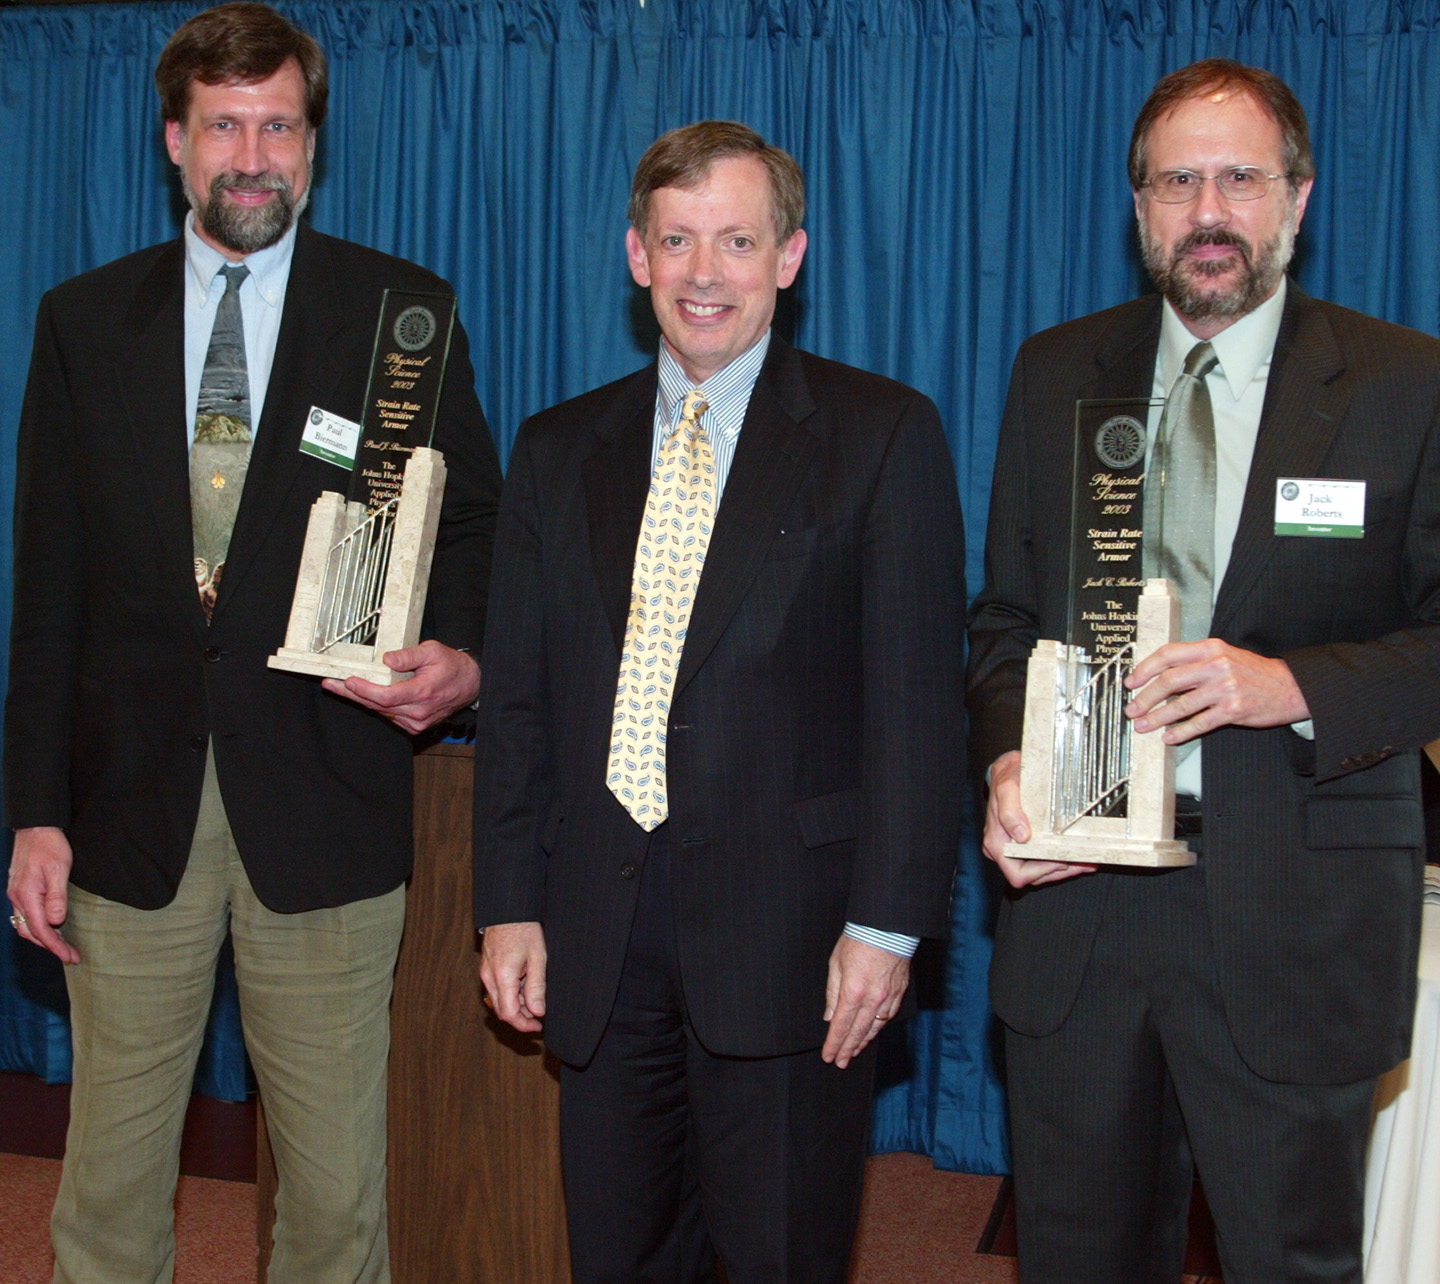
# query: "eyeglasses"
1243,183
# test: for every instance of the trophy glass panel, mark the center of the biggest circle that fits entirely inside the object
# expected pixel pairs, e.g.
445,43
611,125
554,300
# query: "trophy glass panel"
1106,576
407,371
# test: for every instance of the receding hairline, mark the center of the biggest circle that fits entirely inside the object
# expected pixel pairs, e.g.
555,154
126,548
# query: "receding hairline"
703,179
1210,79
684,158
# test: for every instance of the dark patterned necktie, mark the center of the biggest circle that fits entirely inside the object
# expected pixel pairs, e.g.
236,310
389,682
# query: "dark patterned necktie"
221,453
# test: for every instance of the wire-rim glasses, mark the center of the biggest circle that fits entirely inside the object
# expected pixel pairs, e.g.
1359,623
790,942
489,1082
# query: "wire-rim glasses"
1239,183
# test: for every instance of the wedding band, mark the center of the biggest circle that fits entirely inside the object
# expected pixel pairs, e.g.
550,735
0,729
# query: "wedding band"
17,920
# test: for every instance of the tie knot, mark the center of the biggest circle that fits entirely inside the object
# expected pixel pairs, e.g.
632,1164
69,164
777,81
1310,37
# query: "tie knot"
1201,361
695,406
234,274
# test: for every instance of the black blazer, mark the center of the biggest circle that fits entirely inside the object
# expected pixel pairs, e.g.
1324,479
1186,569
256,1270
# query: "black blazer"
815,751
1313,851
116,681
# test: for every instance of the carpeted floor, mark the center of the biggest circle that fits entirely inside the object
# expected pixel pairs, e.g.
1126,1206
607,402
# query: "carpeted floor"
214,1225
917,1226
921,1226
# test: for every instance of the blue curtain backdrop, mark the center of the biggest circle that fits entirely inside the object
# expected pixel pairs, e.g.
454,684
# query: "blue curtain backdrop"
966,167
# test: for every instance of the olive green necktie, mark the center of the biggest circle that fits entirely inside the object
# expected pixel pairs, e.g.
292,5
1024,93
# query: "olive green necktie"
1179,510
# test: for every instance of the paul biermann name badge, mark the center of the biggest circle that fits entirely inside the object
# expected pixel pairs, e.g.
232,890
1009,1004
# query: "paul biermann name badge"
1320,507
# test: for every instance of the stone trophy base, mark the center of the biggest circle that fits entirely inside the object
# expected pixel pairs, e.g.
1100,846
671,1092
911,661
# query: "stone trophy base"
1102,841
341,666
406,579
1144,837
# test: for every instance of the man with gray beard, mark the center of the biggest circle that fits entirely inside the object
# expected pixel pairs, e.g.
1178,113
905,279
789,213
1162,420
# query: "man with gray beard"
1228,1018
166,787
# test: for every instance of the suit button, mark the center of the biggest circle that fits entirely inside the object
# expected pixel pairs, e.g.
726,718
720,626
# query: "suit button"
627,870
212,653
197,744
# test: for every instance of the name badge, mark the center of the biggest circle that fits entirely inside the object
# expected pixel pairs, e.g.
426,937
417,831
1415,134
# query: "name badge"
329,437
1320,506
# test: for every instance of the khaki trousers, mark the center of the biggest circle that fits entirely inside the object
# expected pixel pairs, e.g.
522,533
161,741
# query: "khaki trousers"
314,999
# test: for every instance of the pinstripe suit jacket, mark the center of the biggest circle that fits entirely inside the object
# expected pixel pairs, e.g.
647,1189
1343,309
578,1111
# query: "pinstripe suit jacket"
1313,851
815,748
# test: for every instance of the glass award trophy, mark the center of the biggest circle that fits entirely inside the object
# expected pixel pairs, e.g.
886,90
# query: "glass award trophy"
1094,790
365,567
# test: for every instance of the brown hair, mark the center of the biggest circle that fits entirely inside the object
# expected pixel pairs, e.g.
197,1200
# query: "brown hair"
1201,78
683,157
238,44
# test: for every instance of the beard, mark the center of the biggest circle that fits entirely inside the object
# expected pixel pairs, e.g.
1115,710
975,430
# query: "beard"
1192,284
241,228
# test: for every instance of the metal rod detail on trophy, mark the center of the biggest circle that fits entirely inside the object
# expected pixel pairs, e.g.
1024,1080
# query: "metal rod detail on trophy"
1094,790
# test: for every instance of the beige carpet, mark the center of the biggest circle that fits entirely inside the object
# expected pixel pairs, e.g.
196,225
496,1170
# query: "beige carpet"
917,1226
214,1225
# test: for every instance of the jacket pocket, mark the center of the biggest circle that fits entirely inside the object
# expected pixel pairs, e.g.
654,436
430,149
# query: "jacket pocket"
829,818
1355,821
551,831
795,543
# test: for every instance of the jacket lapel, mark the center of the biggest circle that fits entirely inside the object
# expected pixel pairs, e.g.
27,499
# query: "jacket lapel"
1304,404
1127,359
305,372
771,459
150,370
616,478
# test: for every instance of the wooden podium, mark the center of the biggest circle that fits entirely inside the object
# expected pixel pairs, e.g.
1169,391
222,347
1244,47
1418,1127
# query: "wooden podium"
475,1188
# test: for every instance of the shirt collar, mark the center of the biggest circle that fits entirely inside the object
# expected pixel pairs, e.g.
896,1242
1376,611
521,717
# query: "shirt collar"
729,384
1242,347
269,268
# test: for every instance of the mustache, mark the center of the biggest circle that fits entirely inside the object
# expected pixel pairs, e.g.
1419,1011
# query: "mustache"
1212,236
233,181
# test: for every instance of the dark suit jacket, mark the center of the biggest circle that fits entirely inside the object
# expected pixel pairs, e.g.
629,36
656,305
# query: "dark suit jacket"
1313,852
116,681
815,750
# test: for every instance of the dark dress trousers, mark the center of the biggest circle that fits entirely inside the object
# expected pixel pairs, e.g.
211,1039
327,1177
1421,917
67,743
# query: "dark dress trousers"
816,738
117,685
1308,894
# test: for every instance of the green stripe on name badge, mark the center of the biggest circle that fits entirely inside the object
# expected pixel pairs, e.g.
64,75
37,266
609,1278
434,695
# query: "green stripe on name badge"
329,456
1323,532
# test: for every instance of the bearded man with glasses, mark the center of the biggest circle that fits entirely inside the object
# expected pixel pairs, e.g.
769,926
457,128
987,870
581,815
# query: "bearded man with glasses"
1230,1017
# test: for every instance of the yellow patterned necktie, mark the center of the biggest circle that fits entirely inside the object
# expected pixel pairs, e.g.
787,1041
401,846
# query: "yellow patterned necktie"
669,556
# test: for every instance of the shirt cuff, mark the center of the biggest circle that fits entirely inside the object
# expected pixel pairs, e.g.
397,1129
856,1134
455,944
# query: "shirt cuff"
895,942
1305,730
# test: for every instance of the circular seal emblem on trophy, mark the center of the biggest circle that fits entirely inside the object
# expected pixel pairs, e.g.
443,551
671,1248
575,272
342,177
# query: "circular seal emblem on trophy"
414,328
1289,491
1120,443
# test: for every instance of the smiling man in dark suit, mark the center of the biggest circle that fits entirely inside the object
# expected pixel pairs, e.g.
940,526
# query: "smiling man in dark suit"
163,783
1238,1012
707,839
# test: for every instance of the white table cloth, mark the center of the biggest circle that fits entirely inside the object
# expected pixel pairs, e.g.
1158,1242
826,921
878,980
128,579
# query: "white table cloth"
1402,1179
